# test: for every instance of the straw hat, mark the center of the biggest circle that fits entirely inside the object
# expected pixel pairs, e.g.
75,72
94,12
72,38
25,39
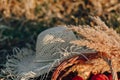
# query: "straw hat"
51,41
25,63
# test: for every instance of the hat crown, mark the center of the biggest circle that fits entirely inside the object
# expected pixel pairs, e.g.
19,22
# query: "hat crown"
51,40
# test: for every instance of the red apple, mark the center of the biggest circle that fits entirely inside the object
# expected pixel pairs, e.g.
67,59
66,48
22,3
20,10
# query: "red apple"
77,78
109,76
99,77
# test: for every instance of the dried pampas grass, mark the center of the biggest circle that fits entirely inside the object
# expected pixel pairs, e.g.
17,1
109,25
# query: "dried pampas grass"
102,39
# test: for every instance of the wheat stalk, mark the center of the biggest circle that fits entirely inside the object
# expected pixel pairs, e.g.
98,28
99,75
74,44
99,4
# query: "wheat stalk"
102,39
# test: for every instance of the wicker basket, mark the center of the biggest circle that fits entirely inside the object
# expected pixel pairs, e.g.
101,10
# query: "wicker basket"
84,68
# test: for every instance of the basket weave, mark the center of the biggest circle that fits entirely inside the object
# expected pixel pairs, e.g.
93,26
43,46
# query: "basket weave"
79,66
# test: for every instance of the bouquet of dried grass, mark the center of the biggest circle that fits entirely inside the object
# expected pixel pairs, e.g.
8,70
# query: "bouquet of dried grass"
104,64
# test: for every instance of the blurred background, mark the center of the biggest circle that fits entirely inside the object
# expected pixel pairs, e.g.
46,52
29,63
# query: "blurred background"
22,20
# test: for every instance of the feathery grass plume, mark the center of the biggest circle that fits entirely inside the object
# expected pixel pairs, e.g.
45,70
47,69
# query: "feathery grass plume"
102,39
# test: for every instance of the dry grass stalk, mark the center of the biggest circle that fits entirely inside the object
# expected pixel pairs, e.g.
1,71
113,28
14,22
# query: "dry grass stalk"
47,9
102,39
33,9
